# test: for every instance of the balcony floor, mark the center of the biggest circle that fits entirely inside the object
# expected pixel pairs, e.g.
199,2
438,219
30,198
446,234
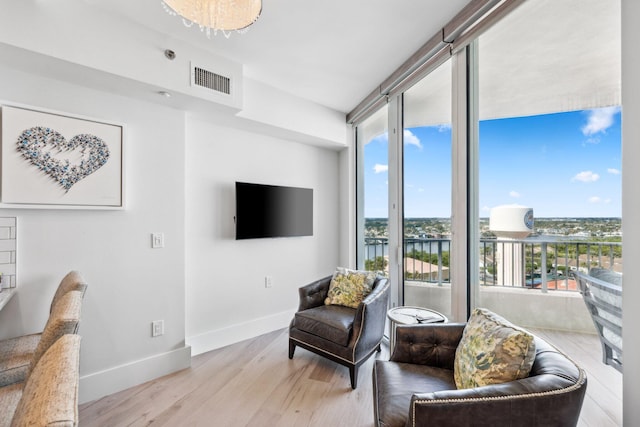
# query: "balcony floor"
603,402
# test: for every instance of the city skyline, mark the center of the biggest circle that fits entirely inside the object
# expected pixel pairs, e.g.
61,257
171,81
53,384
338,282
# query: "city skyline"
560,165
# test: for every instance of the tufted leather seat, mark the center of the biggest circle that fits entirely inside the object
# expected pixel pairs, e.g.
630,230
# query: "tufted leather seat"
416,386
348,336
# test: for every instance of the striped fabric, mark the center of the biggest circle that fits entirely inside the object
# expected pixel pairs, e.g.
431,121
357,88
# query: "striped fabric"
73,281
9,399
17,354
64,319
50,395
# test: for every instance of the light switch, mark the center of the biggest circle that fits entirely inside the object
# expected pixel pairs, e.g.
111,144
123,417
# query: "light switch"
157,240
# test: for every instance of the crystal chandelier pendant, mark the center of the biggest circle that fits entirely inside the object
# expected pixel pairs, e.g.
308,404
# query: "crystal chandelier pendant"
225,16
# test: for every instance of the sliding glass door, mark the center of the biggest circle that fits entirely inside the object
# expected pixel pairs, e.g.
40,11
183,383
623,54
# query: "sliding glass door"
373,192
426,191
505,176
549,159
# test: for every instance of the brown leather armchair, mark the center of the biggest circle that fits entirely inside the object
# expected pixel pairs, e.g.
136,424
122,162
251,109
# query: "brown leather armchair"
416,386
348,336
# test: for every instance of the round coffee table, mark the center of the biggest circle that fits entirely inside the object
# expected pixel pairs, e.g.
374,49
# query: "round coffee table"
406,315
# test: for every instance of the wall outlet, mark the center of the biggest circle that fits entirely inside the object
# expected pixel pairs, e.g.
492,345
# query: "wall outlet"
268,281
157,328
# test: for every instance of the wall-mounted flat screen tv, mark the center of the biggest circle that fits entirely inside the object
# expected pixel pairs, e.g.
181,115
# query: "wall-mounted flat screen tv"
273,211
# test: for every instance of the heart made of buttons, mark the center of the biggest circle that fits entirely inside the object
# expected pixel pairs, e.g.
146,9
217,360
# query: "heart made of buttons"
37,143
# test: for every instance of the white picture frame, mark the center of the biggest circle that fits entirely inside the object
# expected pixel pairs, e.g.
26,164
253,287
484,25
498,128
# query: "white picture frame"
53,160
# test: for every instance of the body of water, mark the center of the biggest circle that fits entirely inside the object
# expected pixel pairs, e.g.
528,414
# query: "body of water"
381,248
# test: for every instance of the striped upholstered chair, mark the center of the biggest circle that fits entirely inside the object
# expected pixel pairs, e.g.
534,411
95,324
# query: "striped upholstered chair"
16,354
50,395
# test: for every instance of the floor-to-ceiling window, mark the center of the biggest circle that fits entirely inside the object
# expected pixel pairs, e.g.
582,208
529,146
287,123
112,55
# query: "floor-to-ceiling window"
549,168
426,191
549,158
373,192
535,137
533,174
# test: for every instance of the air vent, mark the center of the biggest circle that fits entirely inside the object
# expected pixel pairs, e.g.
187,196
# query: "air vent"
218,81
210,80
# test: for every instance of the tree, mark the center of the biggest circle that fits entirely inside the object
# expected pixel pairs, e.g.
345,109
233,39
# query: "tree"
377,264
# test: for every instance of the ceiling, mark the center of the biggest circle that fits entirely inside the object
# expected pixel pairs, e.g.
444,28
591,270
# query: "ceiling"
332,52
546,56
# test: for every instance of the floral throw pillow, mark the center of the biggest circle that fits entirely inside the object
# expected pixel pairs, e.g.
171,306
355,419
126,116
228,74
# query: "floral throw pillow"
349,287
492,351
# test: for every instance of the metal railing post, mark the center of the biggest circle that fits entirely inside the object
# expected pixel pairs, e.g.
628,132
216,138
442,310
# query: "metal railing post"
543,267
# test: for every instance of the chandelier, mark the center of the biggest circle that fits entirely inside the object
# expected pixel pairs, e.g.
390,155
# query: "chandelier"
216,15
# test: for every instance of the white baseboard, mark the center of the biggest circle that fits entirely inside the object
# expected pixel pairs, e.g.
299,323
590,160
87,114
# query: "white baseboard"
109,381
239,332
100,384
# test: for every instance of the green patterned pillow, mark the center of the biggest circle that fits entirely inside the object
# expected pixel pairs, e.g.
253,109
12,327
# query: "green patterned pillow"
349,287
492,351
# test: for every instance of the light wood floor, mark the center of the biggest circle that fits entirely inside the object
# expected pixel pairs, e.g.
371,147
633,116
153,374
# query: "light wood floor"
253,383
602,405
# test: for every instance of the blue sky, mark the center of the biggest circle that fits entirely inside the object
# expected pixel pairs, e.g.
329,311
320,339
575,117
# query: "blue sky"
561,165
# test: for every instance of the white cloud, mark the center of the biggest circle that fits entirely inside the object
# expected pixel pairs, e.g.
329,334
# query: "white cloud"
599,121
383,138
613,171
411,139
598,200
378,168
514,194
444,128
586,176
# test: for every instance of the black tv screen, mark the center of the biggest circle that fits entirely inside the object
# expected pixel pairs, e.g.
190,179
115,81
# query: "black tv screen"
273,211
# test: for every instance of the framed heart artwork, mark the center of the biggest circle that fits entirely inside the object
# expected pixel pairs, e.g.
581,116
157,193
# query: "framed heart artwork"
56,160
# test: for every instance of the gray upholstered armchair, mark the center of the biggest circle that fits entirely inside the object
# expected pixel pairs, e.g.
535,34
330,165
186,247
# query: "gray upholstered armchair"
348,336
416,387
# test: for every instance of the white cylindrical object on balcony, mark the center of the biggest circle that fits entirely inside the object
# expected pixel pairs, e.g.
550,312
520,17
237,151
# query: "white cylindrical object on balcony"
511,221
510,263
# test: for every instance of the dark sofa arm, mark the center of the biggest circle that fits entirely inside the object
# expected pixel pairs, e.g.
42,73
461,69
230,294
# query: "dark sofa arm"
555,382
524,403
431,344
314,294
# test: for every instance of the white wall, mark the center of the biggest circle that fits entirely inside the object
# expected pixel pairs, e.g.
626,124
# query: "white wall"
177,169
80,42
69,59
631,208
226,300
130,284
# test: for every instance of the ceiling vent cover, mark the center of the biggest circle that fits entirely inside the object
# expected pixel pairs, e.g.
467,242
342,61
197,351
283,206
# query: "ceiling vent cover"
210,80
222,86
